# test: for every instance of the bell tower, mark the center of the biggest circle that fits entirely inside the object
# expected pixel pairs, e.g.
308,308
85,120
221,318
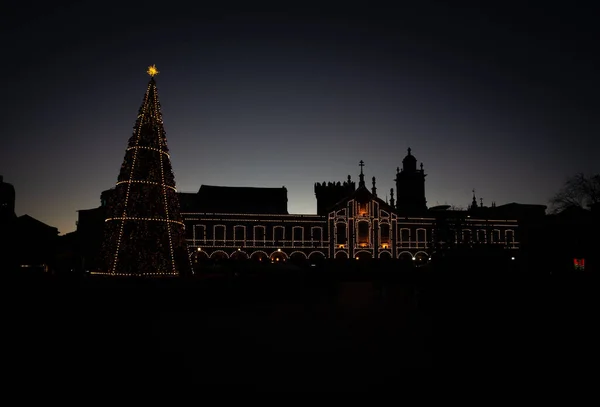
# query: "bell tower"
410,187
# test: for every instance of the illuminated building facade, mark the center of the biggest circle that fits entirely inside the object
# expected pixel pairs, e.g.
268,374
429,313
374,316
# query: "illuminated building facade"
219,223
351,223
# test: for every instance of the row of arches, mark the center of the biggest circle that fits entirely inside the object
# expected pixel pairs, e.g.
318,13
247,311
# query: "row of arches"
281,256
419,257
259,255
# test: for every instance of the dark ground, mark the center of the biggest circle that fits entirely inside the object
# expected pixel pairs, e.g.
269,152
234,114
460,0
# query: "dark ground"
347,331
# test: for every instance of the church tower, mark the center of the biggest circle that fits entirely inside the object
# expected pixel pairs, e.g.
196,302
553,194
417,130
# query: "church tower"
410,187
328,194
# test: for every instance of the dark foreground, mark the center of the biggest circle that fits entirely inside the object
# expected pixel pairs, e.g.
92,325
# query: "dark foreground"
295,330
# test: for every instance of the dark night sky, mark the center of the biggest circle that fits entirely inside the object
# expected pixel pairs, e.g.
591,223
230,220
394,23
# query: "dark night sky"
503,100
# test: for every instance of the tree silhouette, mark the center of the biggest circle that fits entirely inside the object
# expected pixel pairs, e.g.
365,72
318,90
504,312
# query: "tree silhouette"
579,191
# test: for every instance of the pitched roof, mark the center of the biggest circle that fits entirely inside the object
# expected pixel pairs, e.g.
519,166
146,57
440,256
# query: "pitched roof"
363,194
30,222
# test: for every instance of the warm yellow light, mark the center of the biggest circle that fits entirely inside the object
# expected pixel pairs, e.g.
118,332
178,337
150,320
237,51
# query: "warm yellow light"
152,71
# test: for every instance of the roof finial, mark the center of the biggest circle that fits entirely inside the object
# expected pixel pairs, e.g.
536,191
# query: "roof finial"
152,71
374,189
361,176
409,150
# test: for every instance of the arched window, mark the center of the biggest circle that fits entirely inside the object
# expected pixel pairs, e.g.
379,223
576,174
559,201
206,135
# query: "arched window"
363,208
278,234
363,233
451,237
341,234
421,237
510,237
467,236
316,234
405,237
199,234
496,236
298,234
259,235
219,235
239,233
384,230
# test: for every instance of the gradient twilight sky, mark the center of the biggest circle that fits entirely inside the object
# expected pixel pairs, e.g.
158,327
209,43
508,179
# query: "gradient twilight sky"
502,100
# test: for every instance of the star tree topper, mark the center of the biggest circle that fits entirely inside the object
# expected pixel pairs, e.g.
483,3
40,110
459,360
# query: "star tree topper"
152,71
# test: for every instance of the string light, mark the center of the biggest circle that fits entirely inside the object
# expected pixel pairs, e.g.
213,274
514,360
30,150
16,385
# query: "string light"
378,220
149,148
146,182
146,220
364,226
136,205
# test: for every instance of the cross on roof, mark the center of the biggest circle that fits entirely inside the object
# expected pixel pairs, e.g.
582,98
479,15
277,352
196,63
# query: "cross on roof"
362,164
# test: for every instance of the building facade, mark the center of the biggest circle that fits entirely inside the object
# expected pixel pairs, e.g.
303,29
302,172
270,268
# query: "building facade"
351,222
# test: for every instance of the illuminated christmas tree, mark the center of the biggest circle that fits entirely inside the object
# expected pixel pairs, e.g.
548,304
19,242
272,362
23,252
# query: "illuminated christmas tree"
144,230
